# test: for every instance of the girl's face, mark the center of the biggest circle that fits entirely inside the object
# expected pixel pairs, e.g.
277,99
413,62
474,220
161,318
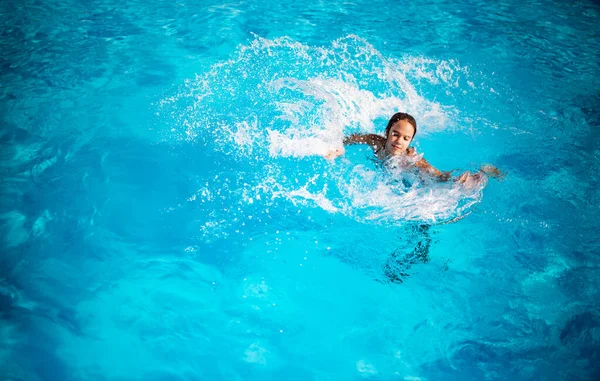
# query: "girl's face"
399,137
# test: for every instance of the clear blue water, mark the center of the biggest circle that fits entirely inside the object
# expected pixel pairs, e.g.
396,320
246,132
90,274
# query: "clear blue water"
165,213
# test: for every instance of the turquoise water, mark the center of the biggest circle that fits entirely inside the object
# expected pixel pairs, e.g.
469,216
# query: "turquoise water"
165,212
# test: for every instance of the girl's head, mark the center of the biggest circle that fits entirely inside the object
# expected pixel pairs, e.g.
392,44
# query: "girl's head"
400,131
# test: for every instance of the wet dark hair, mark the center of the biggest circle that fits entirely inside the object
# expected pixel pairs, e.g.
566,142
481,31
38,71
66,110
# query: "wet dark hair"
398,117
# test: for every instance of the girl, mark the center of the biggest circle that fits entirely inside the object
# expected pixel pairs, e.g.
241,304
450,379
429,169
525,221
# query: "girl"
399,133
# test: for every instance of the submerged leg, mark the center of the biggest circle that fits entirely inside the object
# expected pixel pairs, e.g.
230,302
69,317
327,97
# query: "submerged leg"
397,267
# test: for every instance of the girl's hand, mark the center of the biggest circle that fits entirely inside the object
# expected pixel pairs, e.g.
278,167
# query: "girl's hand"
492,171
472,180
463,178
331,155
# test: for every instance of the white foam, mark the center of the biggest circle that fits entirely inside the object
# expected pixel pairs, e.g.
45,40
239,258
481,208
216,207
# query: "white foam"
319,198
330,92
386,197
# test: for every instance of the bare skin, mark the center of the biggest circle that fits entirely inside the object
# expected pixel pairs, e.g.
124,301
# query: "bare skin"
399,137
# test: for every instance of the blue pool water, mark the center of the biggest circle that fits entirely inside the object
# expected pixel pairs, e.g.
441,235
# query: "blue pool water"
165,212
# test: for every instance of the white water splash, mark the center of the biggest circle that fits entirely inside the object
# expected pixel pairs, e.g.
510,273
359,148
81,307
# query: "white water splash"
277,99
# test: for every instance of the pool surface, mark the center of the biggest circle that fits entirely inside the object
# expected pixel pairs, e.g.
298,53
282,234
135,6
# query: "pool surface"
166,212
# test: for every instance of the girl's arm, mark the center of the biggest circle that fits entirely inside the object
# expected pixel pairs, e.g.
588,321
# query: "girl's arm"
428,168
376,142
474,179
486,169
